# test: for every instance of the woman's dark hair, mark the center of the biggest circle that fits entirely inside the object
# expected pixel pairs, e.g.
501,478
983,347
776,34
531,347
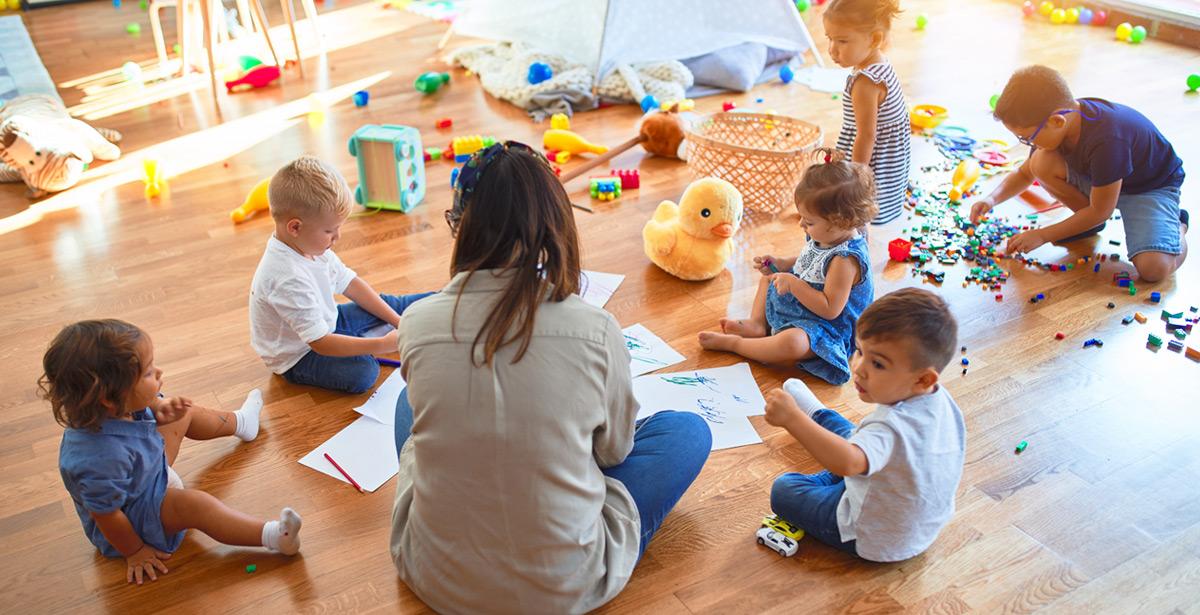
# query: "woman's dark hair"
90,363
516,217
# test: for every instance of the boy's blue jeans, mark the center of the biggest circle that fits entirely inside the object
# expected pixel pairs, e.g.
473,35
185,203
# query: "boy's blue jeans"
348,374
669,449
810,501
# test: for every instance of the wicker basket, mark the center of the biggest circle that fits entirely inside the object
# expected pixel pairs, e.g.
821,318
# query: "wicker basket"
763,155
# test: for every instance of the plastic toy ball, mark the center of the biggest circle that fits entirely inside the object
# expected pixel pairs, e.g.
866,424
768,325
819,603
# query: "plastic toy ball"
1028,8
786,74
802,5
993,100
132,72
1100,18
922,21
1045,8
1137,35
1058,16
539,72
133,29
1123,31
649,102
1085,16
1072,15
1193,83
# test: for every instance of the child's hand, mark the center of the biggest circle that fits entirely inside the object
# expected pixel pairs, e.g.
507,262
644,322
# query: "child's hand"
763,264
171,409
980,209
781,408
1028,241
389,342
144,562
784,283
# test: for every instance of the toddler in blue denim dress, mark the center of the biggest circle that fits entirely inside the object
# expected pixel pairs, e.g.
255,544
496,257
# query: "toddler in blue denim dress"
806,307
120,441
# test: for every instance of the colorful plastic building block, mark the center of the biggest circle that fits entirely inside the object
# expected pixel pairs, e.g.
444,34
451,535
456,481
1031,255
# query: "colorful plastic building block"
1141,318
539,72
1155,297
465,146
1059,336
361,98
1093,342
786,74
1168,315
1021,447
1124,282
428,83
152,177
605,188
899,249
648,102
1127,320
562,157
630,179
251,568
1175,345
1154,340
444,123
391,167
1192,353
560,121
728,106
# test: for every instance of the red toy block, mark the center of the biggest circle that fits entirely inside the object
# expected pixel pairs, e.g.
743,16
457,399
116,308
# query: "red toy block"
728,106
630,179
257,77
444,123
1059,336
899,249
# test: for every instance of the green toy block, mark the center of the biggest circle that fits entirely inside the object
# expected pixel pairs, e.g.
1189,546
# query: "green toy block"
1167,315
1021,447
251,568
1154,340
1180,334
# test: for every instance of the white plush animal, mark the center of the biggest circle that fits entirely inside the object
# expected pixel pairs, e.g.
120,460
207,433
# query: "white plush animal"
43,146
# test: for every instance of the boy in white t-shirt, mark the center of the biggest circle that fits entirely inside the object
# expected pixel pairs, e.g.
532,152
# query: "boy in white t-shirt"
902,465
296,326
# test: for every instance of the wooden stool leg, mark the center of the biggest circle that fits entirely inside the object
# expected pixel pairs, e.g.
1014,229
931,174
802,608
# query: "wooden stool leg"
310,11
206,15
263,26
289,14
181,11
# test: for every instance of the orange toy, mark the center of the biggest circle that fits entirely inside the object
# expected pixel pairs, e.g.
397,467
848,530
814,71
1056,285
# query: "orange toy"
659,133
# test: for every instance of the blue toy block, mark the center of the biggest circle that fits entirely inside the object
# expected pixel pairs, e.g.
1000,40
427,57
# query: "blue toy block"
391,167
539,72
1155,297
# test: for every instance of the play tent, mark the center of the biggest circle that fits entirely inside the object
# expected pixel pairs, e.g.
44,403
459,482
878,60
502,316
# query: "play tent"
606,34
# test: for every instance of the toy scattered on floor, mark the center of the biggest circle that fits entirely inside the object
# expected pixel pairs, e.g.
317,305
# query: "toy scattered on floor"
786,74
391,169
1021,447
1193,353
1123,31
1072,15
1137,34
1058,16
561,140
1046,7
648,103
1060,336
152,177
803,5
444,123
133,29
659,133
1093,342
257,77
1037,298
1085,16
1141,318
1175,345
605,188
927,117
694,239
132,71
1100,18
1111,305
539,72
251,568
562,157
1028,8
1193,83
43,146
899,249
1127,320
1155,297
922,21
361,98
728,105
630,179
428,83
256,201
965,176
465,146
686,104
248,62
1154,340
779,535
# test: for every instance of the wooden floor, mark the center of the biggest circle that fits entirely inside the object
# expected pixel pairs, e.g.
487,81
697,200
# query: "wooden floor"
1101,513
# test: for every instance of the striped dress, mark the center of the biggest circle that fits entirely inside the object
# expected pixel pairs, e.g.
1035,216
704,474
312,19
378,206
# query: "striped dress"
893,147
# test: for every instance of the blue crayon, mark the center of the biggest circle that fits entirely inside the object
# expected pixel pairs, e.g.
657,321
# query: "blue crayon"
389,362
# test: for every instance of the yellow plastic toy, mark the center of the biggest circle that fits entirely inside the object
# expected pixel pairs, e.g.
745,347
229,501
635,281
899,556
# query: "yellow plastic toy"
927,117
152,177
561,140
560,121
964,179
255,201
692,240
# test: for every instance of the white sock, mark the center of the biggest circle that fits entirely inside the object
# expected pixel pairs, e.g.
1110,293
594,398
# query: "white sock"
283,535
803,395
247,416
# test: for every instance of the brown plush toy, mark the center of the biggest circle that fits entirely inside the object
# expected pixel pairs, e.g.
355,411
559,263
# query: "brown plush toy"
660,133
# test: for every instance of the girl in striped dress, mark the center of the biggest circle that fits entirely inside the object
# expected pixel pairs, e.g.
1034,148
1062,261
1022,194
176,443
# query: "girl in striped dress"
875,126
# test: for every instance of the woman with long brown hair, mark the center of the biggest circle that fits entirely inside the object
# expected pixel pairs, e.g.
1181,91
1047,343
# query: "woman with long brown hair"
525,484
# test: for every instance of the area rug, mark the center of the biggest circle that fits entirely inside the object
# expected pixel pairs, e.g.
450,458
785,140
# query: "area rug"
21,70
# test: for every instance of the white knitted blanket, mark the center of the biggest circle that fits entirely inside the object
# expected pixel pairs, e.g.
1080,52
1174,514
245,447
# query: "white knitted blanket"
503,70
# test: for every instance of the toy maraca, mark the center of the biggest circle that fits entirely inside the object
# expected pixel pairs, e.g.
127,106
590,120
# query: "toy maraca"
660,133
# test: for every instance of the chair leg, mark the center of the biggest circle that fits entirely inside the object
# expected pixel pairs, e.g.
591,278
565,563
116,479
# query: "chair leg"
160,46
206,15
310,11
289,14
264,27
243,9
181,33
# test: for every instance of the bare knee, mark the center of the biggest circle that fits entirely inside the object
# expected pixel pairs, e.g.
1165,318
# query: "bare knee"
184,509
794,342
1154,266
1048,166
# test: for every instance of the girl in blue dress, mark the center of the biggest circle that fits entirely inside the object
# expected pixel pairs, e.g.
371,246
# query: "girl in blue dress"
121,437
806,307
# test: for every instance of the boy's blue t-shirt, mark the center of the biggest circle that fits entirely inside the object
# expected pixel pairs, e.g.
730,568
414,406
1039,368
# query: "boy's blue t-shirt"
1117,142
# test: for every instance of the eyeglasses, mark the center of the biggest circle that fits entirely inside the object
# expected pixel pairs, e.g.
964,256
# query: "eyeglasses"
1030,139
468,175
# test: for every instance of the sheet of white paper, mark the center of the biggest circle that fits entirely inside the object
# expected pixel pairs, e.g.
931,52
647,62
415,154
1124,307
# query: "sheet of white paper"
381,406
723,396
597,288
647,351
819,79
366,450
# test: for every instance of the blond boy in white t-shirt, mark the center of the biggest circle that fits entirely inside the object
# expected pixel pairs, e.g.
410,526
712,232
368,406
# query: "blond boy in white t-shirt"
296,326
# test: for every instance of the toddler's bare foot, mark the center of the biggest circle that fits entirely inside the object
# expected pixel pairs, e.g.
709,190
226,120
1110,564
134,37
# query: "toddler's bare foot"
711,340
743,328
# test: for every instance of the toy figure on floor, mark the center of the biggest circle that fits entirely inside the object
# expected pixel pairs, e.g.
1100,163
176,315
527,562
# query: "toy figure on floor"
43,146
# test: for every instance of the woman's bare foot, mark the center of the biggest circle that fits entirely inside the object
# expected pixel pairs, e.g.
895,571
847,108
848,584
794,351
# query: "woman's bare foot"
711,340
743,328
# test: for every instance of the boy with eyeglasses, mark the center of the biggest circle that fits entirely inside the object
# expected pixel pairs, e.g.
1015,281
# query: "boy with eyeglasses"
1094,156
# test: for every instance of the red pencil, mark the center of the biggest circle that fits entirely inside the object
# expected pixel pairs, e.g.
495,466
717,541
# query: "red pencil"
344,473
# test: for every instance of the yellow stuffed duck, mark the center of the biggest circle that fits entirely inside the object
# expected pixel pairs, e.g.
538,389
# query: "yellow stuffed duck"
692,240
